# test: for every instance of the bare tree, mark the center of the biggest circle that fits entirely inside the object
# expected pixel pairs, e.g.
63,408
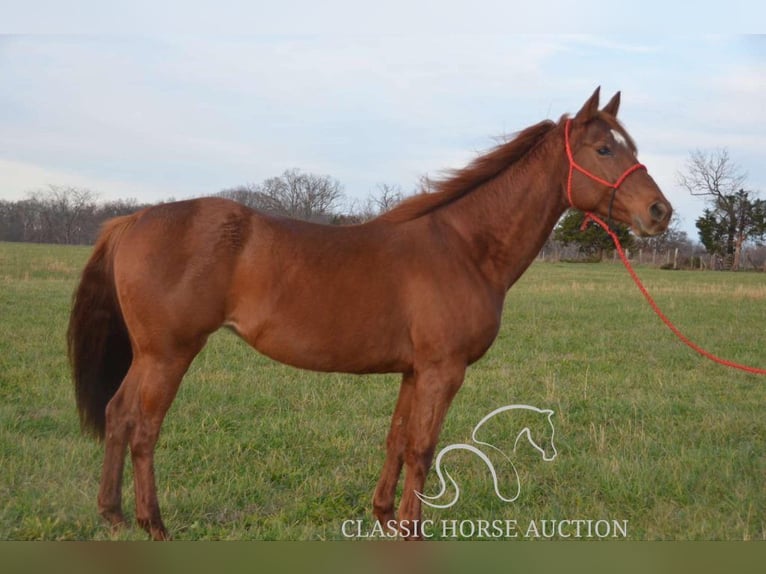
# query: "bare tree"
426,185
387,197
714,174
304,195
733,216
293,194
251,195
58,214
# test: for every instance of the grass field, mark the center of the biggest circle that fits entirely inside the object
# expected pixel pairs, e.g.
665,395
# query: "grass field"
647,432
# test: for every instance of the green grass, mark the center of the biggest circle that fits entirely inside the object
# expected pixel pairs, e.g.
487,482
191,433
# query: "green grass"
646,430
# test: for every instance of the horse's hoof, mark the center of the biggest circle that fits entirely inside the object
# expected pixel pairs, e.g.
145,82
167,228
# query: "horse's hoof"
114,518
156,529
159,534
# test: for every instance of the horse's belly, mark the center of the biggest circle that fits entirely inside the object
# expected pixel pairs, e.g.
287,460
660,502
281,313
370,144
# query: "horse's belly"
330,350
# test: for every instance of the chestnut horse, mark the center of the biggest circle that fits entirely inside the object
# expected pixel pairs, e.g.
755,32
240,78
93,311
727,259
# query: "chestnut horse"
418,291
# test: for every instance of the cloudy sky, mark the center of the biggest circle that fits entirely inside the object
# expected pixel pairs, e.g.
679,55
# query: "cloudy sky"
159,115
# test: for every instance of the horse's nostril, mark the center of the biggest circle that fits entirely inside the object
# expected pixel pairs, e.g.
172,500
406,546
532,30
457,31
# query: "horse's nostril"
658,211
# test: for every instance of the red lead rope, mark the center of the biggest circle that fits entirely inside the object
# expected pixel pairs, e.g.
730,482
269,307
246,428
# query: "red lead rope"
589,216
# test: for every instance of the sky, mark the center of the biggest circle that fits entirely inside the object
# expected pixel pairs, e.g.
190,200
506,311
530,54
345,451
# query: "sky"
161,114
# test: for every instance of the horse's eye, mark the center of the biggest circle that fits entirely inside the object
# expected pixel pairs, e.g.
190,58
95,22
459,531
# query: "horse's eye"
604,150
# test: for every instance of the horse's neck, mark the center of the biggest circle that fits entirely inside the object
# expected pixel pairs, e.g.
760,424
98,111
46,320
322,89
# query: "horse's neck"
507,220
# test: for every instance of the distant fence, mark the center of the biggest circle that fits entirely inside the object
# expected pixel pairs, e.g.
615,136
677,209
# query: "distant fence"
752,259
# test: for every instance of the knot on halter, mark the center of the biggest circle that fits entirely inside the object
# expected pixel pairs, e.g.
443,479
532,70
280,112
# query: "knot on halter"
573,165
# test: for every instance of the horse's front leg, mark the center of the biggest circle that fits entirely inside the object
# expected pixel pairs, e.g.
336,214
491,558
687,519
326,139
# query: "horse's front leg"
434,389
383,501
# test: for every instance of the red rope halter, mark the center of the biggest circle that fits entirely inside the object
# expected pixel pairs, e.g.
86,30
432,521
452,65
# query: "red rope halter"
573,165
590,216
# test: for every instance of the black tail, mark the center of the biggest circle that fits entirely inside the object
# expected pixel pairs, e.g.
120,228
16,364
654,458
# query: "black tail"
99,347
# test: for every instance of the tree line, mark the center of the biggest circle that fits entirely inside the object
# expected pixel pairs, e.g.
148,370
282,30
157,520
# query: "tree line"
59,214
73,215
734,217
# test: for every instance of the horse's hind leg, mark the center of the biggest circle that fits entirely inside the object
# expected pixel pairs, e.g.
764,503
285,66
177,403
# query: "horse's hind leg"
159,382
383,501
118,424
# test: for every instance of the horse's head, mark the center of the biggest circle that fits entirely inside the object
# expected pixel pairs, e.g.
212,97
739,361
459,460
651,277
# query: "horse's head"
541,436
537,429
605,176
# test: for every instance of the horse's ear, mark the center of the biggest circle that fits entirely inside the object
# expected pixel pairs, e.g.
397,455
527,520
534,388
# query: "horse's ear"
589,109
613,105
